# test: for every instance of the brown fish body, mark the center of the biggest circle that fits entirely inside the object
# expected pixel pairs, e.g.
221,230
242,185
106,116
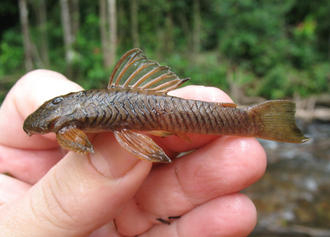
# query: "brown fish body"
128,108
116,109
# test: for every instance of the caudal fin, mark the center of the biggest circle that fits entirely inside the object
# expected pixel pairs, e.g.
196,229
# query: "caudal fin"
275,121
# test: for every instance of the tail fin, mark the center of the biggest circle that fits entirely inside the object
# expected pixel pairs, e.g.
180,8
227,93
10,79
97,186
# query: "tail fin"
275,121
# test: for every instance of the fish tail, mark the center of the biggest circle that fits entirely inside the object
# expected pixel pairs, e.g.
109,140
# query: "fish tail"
275,120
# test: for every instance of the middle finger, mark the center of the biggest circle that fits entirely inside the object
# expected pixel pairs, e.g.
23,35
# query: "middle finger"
226,165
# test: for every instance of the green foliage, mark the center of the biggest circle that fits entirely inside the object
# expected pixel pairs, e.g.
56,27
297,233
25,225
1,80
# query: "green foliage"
271,48
253,34
12,52
283,81
206,71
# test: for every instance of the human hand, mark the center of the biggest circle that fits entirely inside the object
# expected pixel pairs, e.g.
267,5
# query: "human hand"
54,193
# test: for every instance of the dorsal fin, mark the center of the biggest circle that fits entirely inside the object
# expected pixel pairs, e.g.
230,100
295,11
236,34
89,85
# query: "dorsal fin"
135,70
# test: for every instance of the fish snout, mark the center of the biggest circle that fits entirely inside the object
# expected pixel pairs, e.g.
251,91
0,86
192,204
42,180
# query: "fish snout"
30,133
32,125
27,128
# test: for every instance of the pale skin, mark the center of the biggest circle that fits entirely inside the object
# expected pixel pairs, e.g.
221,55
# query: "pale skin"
52,192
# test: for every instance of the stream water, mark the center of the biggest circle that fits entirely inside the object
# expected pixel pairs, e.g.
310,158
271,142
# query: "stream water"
295,190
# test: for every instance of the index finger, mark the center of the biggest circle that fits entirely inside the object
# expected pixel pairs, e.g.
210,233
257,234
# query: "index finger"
29,158
223,166
31,91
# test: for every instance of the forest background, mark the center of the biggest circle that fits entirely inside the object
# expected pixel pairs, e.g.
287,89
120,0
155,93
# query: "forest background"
251,49
271,49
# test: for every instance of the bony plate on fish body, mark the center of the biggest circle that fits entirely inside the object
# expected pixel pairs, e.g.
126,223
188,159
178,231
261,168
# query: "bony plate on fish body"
136,102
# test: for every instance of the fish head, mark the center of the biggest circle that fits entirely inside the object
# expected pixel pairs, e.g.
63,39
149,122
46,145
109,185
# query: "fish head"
47,117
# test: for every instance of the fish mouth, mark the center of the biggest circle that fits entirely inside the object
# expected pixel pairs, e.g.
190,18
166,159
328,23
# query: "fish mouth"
38,128
29,133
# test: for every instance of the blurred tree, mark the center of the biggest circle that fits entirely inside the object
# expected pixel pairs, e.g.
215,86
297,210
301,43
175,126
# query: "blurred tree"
26,34
112,30
168,38
135,23
75,15
42,29
68,35
196,27
108,30
104,35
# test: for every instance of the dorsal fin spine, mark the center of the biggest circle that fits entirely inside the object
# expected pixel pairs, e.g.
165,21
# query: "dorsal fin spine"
139,69
158,79
135,70
130,62
134,52
178,83
155,70
166,84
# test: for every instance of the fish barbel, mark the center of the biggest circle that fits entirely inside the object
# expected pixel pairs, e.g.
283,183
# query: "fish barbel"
136,101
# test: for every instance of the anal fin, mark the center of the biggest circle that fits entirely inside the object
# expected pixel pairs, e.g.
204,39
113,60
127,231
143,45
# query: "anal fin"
74,139
141,146
232,105
161,133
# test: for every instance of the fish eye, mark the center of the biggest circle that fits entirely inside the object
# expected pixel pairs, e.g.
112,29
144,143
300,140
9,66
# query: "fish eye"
57,100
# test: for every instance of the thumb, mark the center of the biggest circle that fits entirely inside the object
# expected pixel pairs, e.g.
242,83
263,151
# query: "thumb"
78,195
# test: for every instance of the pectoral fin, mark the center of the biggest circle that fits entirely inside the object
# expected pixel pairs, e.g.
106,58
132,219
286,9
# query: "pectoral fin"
141,146
74,139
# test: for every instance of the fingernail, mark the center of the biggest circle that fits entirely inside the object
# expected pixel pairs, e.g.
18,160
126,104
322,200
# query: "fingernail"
109,158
